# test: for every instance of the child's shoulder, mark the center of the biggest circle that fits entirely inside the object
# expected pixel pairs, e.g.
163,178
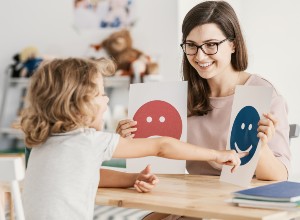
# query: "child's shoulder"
100,136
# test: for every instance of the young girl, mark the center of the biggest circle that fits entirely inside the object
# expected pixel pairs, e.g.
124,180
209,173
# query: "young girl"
62,125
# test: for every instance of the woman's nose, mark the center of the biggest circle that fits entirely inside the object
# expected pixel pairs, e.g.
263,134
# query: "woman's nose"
200,55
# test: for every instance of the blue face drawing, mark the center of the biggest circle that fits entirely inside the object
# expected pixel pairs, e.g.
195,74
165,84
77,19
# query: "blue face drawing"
244,133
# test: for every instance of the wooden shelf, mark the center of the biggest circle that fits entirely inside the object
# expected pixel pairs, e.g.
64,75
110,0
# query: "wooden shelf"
19,80
12,132
116,81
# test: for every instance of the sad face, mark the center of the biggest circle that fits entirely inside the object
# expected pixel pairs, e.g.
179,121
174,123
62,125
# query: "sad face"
244,133
158,118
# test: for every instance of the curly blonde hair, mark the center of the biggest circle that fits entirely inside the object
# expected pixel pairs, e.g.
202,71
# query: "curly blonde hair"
60,97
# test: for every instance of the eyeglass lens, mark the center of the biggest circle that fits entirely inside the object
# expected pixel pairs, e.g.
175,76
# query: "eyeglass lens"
207,48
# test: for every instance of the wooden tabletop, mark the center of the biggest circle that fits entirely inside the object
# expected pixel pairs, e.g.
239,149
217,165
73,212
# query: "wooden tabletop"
190,195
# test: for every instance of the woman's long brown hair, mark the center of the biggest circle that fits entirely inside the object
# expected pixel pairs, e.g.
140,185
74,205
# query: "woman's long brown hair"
223,15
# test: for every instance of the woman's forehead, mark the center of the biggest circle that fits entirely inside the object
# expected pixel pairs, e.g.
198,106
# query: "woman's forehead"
205,32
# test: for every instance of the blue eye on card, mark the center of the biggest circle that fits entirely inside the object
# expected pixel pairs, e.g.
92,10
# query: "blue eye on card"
244,133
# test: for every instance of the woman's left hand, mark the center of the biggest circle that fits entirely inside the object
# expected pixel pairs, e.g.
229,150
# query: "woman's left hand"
145,180
266,128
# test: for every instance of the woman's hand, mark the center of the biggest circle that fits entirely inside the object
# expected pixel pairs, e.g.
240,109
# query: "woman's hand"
145,180
266,128
126,127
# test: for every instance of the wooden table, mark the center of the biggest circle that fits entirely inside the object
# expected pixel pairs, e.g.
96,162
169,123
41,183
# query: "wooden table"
190,195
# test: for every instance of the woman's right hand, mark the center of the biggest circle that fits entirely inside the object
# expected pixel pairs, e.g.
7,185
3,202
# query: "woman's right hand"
126,128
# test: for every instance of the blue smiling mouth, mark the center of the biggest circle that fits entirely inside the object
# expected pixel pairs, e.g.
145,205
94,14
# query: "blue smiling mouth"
241,151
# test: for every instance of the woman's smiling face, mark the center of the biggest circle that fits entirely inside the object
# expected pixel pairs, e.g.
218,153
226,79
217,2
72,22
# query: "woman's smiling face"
209,66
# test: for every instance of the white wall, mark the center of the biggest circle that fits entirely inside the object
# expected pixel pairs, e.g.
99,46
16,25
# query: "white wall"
272,33
156,32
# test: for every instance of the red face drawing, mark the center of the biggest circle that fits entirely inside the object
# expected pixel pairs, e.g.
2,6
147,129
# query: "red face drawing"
157,118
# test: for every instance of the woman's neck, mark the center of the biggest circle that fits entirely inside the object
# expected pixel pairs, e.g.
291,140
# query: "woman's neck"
224,85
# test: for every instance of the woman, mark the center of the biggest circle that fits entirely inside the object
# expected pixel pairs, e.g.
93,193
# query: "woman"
214,62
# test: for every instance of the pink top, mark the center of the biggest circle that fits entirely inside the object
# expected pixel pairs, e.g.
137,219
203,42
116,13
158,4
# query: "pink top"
211,130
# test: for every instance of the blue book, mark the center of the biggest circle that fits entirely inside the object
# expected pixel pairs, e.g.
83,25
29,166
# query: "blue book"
285,191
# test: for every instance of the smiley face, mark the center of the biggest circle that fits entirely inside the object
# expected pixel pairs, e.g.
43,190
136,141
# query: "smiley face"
158,118
244,133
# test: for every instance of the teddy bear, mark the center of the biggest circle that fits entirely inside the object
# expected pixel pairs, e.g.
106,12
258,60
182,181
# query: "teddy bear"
129,61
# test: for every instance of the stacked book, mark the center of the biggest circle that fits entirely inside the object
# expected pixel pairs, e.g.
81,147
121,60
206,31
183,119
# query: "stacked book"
281,195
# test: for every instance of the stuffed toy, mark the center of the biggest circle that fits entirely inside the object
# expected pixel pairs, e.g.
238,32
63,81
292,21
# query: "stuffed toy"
16,68
25,62
130,61
29,58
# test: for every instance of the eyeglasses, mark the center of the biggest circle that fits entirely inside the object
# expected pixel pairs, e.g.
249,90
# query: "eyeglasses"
209,48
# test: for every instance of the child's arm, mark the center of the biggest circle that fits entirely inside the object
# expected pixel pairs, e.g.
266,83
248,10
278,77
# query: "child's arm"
144,181
174,149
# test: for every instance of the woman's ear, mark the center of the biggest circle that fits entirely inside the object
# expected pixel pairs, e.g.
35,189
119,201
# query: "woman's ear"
233,48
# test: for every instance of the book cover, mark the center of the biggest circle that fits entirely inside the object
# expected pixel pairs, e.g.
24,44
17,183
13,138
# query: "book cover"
270,204
285,191
261,206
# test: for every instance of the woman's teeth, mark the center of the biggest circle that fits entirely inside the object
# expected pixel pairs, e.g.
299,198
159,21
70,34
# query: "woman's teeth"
205,64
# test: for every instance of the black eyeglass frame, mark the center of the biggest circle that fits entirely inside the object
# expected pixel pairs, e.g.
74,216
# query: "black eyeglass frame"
200,46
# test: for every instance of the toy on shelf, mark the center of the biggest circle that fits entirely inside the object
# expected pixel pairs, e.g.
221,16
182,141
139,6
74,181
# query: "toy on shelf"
16,68
25,62
30,59
130,61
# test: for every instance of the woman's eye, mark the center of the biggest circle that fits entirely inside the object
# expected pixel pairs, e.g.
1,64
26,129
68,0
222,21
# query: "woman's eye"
190,45
210,45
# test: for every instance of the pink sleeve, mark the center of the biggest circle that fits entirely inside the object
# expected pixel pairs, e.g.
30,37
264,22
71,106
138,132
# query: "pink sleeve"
279,144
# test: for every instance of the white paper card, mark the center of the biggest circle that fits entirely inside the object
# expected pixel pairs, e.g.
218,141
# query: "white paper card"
160,108
249,103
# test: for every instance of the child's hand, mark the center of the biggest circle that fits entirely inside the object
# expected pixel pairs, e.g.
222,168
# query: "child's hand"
266,128
145,181
230,157
126,127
